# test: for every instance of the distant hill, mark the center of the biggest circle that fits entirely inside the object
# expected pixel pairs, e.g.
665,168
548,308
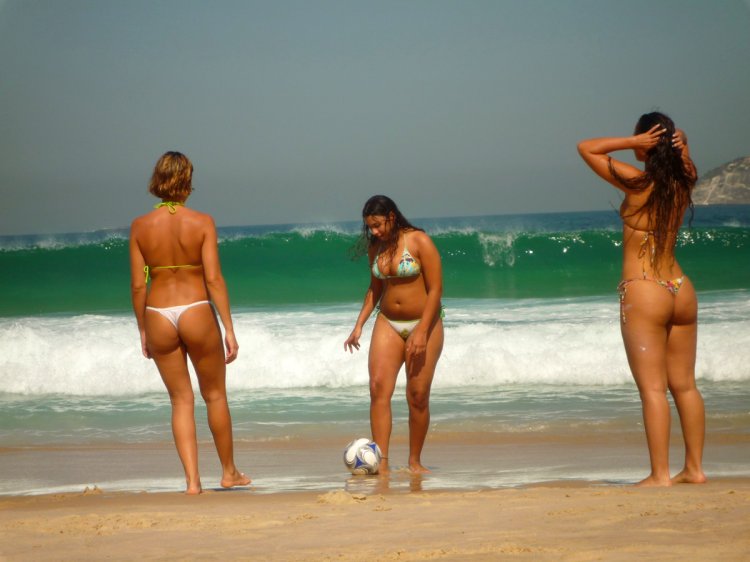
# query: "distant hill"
726,185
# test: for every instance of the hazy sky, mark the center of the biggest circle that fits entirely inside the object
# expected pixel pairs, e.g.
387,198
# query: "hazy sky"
297,111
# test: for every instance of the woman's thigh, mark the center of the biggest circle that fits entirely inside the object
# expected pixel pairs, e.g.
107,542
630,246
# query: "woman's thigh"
169,354
683,339
421,371
385,358
648,309
200,332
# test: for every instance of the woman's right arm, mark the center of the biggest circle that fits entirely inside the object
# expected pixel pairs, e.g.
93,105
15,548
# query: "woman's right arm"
138,287
217,287
595,152
372,297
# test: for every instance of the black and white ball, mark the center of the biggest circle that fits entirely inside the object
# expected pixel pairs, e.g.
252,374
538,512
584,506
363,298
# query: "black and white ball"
362,456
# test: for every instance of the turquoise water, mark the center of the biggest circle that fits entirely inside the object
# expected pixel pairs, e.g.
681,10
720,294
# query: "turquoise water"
533,350
514,257
263,416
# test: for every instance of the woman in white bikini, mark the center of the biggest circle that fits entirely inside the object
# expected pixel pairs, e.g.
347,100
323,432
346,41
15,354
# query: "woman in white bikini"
175,248
406,284
658,305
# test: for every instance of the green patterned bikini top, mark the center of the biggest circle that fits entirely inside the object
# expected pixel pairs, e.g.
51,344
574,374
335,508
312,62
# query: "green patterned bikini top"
172,208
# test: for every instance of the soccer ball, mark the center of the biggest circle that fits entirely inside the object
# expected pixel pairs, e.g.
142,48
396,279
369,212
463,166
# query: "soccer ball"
362,456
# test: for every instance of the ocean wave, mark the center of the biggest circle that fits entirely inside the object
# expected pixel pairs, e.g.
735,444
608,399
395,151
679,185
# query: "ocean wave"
528,342
105,239
490,230
498,248
497,257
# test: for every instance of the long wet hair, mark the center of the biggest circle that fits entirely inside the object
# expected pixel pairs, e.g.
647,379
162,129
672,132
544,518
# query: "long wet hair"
172,179
672,179
381,205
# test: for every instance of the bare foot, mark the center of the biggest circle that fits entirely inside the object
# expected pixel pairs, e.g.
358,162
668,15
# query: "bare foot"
689,477
194,489
235,478
417,468
383,467
652,481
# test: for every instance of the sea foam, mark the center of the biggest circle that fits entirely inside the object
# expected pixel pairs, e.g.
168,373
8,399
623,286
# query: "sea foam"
487,343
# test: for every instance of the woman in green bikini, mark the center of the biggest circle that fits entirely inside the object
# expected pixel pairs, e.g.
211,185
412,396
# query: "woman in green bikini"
658,305
406,282
175,248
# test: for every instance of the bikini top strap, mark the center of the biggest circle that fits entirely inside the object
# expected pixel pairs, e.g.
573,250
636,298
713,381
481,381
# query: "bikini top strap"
147,268
171,205
647,245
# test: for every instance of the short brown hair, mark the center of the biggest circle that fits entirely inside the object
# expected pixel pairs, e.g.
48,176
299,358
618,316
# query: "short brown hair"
172,179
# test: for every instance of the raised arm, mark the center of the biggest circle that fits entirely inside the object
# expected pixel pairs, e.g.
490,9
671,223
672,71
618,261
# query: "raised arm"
680,142
595,152
217,288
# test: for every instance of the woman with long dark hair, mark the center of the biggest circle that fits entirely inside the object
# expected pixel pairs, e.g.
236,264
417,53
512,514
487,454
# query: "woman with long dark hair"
658,304
406,285
177,289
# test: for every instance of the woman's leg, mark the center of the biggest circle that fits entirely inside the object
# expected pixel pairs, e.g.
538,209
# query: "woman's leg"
681,347
419,375
385,360
648,309
169,355
200,331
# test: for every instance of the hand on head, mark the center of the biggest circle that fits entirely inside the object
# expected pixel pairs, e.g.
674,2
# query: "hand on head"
679,140
649,139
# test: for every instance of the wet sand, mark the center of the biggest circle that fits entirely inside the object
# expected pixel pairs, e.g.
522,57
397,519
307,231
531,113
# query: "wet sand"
554,521
460,461
511,496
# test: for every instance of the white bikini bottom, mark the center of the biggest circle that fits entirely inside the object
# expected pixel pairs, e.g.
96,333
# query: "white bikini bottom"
173,313
403,328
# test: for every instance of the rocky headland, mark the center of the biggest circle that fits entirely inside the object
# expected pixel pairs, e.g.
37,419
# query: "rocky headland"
728,184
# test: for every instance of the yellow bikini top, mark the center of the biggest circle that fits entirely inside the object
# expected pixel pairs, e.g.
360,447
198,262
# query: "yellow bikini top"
172,207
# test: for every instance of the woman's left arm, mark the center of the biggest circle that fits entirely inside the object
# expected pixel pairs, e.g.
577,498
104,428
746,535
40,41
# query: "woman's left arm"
680,142
432,273
217,287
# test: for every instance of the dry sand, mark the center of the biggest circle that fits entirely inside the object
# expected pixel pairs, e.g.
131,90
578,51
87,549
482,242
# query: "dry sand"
556,521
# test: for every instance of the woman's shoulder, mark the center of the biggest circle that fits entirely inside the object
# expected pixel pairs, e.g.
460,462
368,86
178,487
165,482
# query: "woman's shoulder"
418,240
153,218
141,221
417,235
198,221
198,215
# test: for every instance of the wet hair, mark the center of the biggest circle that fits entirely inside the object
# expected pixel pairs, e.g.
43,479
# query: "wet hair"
172,179
381,205
673,180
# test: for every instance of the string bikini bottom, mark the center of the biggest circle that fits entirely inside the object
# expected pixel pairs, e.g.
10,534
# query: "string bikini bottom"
173,313
671,285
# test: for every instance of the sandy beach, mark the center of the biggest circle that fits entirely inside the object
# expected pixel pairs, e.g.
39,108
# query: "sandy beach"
553,521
